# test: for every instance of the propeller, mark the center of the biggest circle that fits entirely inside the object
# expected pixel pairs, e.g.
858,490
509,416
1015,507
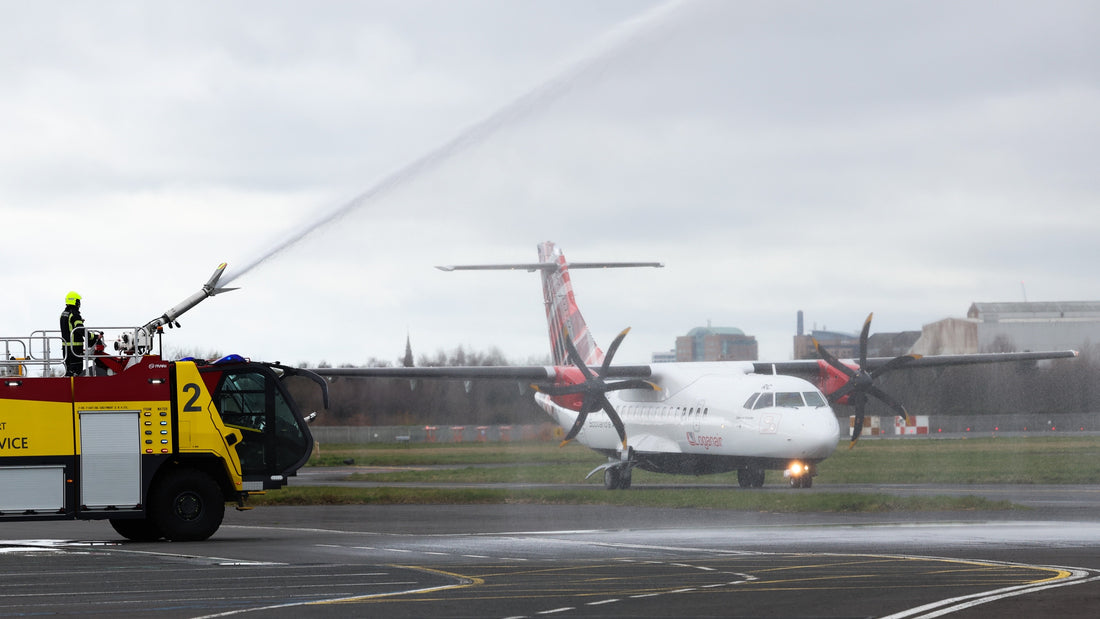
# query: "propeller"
594,389
861,383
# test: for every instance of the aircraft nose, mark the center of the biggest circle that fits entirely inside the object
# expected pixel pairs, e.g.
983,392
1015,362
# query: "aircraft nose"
822,434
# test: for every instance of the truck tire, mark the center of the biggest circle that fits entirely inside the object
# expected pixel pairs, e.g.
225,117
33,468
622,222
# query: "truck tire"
136,529
186,505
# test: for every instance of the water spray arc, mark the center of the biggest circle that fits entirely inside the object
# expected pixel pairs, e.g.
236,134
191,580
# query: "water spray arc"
601,52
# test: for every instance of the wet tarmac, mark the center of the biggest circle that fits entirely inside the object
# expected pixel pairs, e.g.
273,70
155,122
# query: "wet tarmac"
593,561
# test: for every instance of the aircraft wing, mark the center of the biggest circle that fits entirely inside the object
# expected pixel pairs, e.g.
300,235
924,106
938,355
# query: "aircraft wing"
548,373
812,366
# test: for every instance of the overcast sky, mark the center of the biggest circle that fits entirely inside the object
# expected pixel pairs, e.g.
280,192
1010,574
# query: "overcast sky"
906,158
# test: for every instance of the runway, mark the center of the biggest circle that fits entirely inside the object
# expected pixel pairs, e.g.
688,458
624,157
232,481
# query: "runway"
540,561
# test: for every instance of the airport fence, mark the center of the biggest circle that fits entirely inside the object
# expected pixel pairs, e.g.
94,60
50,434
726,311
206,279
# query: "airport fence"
1016,423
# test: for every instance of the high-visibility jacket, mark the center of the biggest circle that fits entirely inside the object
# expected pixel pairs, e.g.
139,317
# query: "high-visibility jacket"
72,329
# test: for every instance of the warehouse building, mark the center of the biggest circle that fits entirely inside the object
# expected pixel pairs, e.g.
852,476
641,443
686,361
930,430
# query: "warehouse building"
1014,327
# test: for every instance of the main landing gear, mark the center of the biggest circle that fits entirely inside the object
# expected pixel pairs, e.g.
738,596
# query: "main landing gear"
751,477
617,471
616,478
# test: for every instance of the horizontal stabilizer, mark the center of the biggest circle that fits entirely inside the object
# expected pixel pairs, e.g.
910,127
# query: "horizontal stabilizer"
538,373
548,266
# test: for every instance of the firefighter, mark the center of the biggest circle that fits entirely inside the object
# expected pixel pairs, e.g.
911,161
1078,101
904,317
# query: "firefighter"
72,334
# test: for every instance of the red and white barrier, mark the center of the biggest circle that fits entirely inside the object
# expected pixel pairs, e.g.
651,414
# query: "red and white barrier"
917,424
872,426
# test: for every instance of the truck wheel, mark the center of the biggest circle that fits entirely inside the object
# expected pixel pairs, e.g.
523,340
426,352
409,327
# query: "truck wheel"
136,529
187,506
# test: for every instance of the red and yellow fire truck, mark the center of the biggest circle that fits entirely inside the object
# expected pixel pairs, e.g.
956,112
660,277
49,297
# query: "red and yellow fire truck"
156,447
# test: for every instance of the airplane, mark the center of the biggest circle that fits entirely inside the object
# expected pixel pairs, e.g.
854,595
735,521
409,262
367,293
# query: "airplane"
689,417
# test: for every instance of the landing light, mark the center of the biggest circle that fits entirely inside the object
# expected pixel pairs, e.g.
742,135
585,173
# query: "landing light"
794,470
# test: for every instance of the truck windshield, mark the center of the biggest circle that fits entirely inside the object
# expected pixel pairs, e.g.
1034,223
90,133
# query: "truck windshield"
273,442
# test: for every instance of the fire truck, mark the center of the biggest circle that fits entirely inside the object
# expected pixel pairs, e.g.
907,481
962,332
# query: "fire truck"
156,447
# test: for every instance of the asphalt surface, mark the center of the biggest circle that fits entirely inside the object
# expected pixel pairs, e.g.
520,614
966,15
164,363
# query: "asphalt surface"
593,561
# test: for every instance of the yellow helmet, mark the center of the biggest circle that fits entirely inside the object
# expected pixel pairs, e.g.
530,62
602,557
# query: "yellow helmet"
72,298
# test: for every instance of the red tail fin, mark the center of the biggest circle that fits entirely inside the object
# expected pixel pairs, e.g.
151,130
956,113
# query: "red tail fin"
562,314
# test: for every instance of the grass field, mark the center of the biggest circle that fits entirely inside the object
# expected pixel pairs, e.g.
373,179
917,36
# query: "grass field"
1039,460
1035,460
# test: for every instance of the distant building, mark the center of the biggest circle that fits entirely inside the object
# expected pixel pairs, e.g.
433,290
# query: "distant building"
891,344
716,344
841,345
667,356
950,336
846,345
1014,327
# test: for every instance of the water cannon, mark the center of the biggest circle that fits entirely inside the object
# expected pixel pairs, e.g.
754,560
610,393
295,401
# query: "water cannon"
209,289
126,344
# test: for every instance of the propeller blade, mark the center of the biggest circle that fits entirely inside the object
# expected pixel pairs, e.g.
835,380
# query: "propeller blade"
861,383
611,351
889,401
857,429
863,336
595,388
615,420
572,434
833,361
894,364
574,356
844,390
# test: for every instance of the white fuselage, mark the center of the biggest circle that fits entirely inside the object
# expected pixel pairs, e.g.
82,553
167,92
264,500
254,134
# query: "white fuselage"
708,413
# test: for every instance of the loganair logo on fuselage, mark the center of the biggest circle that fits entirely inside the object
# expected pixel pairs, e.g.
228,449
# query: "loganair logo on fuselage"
706,442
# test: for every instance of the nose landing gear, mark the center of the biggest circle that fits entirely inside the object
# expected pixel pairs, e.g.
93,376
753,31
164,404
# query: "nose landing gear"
800,475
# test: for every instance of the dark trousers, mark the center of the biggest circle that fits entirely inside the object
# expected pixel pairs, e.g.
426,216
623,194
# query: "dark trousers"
74,364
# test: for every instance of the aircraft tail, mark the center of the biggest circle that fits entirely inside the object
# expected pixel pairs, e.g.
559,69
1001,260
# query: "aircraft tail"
562,314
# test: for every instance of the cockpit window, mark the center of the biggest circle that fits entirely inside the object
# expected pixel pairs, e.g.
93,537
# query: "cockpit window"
748,402
792,399
813,398
764,401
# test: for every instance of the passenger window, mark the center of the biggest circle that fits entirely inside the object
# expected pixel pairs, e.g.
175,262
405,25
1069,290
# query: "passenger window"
813,398
752,398
790,399
764,401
